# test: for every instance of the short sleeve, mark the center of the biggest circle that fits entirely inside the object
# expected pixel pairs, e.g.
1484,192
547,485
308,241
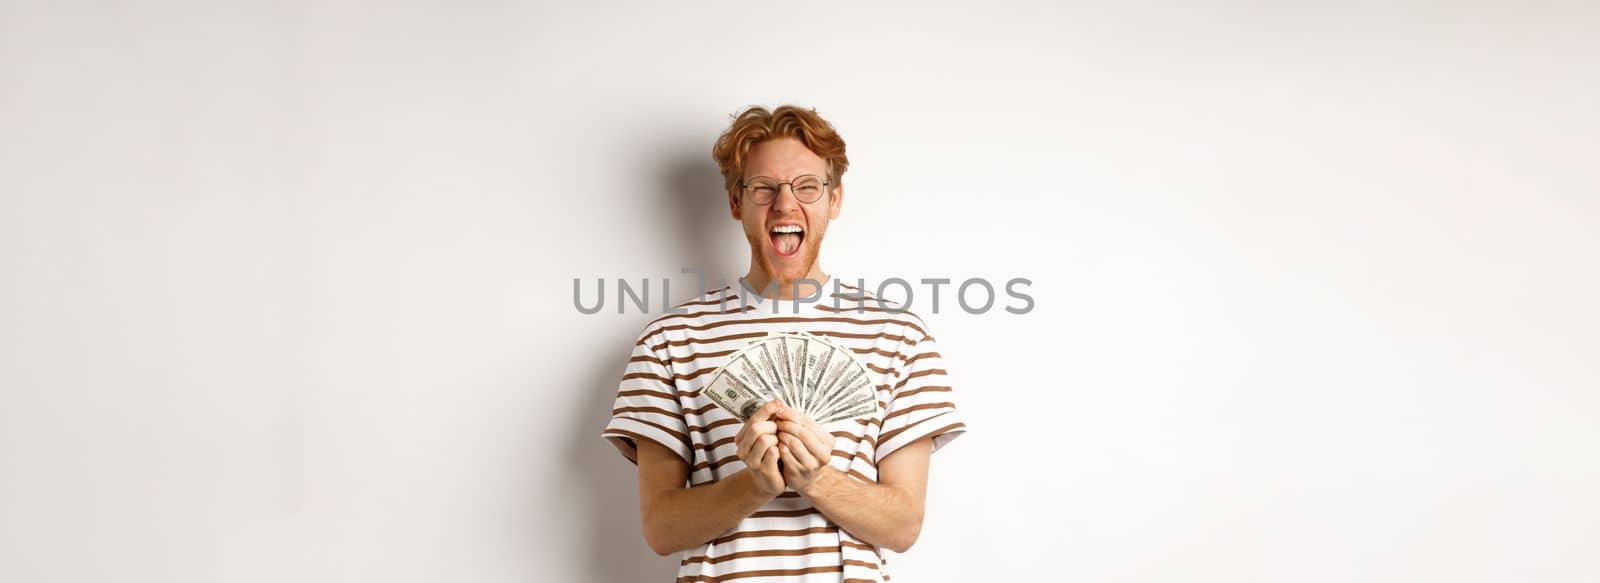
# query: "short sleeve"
647,405
922,403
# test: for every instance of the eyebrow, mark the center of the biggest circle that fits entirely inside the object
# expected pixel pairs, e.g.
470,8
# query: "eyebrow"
822,174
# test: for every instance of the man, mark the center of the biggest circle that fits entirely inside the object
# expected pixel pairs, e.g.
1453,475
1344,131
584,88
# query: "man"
778,496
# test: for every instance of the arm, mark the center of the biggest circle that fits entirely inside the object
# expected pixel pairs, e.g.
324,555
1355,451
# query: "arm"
675,518
886,514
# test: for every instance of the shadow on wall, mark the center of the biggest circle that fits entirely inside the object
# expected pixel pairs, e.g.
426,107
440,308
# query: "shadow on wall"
697,232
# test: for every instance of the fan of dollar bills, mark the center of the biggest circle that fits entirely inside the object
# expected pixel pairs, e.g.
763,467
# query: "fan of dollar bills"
810,374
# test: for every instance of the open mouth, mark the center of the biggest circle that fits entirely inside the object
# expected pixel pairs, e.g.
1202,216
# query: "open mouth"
786,239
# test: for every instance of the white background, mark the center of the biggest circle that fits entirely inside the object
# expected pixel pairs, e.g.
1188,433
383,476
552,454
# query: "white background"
287,287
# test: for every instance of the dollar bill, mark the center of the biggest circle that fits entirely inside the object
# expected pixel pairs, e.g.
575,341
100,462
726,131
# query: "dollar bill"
818,355
835,374
810,373
779,351
733,396
852,377
797,370
859,394
849,414
750,376
769,368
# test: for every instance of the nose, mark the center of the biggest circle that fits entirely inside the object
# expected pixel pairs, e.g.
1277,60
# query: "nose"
784,204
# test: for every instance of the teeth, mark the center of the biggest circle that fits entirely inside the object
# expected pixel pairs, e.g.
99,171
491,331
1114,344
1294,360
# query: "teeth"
786,229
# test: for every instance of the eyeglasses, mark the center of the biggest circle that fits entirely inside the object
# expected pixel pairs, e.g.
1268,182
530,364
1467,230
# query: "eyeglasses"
762,190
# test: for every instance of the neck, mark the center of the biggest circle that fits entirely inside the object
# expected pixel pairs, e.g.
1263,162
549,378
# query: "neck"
810,285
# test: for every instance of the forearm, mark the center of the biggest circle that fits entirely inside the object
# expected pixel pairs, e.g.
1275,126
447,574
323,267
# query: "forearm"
683,518
879,514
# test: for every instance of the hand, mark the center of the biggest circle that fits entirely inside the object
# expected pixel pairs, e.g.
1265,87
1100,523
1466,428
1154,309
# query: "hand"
805,447
758,449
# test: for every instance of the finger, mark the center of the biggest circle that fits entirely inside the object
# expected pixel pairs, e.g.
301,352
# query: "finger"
797,449
763,427
817,428
764,412
743,441
789,413
789,459
780,414
810,439
769,461
819,443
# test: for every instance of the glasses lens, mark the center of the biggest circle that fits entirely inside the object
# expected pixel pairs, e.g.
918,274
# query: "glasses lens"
808,188
762,190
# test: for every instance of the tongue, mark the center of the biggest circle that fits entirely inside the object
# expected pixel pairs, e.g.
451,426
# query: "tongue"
786,242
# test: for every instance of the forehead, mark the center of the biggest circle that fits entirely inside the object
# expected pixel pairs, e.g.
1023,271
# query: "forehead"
783,158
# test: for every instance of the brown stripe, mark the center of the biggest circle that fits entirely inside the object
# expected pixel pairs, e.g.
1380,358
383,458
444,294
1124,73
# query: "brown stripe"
669,431
693,356
647,358
792,320
650,376
621,410
927,389
714,464
666,343
713,340
940,431
922,407
716,444
855,545
860,308
858,439
759,553
708,301
713,425
920,373
774,532
708,292
726,310
691,375
701,410
760,573
647,393
677,377
884,335
924,355
878,352
860,476
847,455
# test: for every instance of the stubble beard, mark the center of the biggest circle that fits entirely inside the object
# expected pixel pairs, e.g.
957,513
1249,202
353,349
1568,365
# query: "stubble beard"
761,246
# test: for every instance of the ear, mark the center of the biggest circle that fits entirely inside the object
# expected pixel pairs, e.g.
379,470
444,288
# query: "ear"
834,201
733,204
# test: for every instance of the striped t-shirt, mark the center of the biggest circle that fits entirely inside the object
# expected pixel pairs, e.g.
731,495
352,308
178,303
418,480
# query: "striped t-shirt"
660,399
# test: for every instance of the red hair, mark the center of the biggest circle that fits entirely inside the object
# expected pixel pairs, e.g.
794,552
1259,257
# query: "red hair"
756,125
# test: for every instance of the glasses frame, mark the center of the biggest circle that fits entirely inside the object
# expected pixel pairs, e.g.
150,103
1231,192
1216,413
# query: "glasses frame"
744,189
